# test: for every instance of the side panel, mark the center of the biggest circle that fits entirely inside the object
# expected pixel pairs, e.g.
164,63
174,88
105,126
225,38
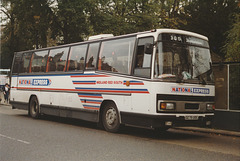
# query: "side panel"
75,95
81,95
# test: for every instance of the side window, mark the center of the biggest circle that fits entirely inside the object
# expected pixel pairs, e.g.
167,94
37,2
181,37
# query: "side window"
57,59
116,55
143,60
26,58
17,66
39,61
76,59
92,56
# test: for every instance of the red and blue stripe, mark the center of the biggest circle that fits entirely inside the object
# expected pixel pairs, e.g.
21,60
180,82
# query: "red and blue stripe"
84,82
89,95
112,90
91,101
91,107
134,82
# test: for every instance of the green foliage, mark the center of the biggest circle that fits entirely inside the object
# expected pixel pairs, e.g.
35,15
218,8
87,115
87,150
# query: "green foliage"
211,18
70,21
26,27
124,16
232,47
37,24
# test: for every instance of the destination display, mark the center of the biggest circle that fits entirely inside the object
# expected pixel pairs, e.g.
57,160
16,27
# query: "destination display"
183,39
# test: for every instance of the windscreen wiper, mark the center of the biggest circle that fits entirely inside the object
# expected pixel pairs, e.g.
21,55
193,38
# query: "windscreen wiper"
203,80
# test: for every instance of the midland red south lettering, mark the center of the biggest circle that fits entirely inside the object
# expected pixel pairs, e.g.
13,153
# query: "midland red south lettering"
101,82
109,82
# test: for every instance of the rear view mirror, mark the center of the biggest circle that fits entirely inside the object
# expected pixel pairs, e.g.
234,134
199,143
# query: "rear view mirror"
148,48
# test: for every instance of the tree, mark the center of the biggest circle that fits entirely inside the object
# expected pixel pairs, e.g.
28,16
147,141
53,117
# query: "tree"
30,23
211,18
232,46
8,34
70,21
26,28
125,16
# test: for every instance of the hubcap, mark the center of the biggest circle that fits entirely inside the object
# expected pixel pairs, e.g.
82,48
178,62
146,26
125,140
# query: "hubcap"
111,116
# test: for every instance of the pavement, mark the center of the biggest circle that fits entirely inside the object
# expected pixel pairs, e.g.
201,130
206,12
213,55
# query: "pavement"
211,131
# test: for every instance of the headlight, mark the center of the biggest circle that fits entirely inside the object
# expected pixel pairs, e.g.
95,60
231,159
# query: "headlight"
210,107
166,106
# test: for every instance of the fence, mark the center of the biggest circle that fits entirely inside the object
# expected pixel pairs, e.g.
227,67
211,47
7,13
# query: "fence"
227,95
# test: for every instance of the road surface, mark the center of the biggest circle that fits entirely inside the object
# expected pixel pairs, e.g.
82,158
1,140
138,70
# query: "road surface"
57,139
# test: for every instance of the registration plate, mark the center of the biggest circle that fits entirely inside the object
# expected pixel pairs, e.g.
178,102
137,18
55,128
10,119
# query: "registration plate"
191,117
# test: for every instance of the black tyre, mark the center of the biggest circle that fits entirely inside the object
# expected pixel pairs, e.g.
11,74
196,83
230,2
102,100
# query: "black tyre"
34,107
110,118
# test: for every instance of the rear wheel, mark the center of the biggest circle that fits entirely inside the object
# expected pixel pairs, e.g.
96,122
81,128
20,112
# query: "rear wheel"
34,107
110,118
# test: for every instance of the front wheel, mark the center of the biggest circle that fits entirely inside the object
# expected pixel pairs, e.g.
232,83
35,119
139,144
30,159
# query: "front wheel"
34,107
110,118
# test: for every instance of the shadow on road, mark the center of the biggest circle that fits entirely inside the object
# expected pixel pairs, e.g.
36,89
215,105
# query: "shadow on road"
171,134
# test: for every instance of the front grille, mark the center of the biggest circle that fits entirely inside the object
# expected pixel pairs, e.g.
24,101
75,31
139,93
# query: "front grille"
191,106
185,98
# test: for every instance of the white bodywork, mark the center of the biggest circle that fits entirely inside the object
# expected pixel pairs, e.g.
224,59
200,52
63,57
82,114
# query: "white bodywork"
89,89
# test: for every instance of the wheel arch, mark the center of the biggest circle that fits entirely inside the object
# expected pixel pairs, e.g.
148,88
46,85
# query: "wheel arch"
103,104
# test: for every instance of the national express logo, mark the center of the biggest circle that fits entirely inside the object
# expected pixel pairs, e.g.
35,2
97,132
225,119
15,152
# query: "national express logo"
190,90
35,82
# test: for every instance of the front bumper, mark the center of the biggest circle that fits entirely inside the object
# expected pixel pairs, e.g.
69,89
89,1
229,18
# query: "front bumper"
170,120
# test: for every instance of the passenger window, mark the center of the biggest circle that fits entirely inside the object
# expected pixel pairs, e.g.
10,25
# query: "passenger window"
143,60
76,59
39,61
92,56
17,64
57,59
116,55
26,62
